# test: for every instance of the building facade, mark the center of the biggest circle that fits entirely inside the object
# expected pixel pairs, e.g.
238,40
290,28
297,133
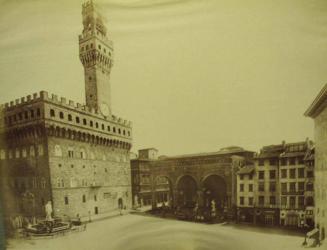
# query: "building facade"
278,189
192,179
141,180
245,194
318,112
74,155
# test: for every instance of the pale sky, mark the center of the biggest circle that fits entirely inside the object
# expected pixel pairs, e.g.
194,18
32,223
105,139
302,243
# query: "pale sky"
193,76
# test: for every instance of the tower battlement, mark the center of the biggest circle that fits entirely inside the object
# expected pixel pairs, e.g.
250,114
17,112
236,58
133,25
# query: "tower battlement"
87,4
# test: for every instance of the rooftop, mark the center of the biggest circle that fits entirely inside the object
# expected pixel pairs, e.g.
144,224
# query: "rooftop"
319,103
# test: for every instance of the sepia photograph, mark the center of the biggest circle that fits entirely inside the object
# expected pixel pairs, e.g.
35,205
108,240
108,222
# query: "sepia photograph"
163,124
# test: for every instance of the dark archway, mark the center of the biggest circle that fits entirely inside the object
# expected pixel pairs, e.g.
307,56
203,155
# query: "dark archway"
214,189
186,191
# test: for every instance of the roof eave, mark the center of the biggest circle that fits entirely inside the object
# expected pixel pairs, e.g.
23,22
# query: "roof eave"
315,108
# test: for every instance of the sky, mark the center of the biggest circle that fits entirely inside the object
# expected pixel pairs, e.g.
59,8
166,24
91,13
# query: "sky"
192,75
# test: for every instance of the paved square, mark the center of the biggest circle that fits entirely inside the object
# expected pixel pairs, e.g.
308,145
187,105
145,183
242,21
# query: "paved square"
138,232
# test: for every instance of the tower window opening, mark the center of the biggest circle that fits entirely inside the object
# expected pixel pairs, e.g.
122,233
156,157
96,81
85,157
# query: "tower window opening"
114,129
91,45
84,121
91,123
96,125
70,117
38,112
90,78
119,132
129,133
102,126
99,46
124,132
108,128
52,113
61,115
77,119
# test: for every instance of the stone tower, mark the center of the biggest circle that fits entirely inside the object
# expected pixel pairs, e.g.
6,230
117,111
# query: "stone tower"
96,55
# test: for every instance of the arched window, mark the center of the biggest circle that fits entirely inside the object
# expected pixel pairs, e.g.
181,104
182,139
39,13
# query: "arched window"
96,125
17,153
84,198
84,122
43,183
40,150
2,154
92,156
119,131
52,113
70,117
60,182
10,154
108,128
58,151
102,126
83,153
61,115
32,151
24,153
114,129
77,119
91,123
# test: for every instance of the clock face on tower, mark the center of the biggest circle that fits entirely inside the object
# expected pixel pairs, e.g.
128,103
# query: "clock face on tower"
104,109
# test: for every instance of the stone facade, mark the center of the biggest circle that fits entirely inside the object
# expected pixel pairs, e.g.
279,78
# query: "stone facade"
318,112
198,178
74,155
282,186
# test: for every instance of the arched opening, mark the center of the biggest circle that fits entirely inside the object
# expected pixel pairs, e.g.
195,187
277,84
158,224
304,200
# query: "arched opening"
214,192
120,203
163,191
186,191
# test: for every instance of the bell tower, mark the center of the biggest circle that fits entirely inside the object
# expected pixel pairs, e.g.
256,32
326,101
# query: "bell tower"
96,55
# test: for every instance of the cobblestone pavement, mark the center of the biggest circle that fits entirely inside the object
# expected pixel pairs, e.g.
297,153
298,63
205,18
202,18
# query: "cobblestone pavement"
136,232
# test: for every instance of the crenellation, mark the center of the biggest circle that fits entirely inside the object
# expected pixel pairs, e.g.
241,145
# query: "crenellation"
71,103
35,96
29,98
12,104
17,102
6,105
22,100
44,95
54,97
63,101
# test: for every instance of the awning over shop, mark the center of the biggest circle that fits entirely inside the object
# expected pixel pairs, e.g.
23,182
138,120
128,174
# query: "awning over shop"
313,233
